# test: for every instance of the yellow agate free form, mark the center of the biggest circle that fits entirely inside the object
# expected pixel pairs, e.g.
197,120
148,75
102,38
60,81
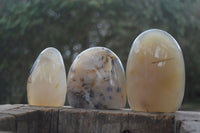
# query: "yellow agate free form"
46,85
155,73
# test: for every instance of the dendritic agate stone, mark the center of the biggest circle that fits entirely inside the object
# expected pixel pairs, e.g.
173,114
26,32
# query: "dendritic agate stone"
155,73
96,79
46,85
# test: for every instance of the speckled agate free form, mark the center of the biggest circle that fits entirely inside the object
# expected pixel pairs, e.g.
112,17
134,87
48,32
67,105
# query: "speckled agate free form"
96,79
46,85
155,73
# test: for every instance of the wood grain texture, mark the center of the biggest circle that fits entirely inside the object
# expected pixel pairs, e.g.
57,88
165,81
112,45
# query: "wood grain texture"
7,122
187,122
30,119
151,122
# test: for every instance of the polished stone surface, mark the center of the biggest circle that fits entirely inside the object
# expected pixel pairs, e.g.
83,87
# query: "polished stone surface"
96,79
46,85
155,73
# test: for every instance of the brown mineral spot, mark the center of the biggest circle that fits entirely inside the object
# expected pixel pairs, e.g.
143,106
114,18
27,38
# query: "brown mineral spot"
141,59
57,85
111,56
132,71
93,83
79,87
91,71
145,106
82,79
162,60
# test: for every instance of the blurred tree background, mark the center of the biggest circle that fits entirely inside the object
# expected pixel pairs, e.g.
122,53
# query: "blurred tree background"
29,26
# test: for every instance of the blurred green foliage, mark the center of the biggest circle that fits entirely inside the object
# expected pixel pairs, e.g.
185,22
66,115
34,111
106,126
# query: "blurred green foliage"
29,26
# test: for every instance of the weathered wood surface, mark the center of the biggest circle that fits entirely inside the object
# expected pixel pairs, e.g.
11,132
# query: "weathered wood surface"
188,122
29,119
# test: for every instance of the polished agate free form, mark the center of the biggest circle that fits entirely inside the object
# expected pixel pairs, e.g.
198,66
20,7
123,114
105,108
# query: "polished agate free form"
46,85
155,71
96,79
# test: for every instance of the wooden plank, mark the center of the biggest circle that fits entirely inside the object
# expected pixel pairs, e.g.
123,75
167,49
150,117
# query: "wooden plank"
114,121
187,122
26,119
76,121
92,121
9,106
7,123
30,119
48,120
140,122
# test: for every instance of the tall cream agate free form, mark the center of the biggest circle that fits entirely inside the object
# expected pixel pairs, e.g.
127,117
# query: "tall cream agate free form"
96,79
46,85
155,73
